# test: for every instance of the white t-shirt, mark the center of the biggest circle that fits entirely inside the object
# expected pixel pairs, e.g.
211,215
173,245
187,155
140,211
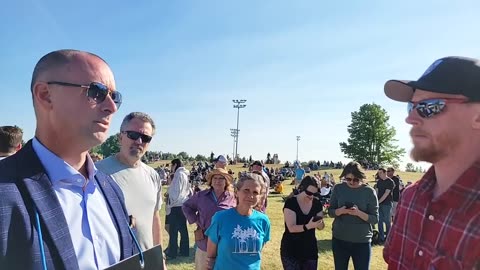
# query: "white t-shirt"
142,190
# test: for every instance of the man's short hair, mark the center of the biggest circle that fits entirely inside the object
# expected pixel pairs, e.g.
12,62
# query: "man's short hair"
382,169
140,115
55,60
10,138
390,169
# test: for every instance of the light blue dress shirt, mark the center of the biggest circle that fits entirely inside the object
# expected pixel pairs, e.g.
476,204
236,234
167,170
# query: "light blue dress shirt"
94,236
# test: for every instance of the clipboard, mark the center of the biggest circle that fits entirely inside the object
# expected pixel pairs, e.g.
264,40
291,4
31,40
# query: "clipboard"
152,260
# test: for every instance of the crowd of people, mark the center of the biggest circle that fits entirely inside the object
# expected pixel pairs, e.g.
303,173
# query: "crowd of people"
64,208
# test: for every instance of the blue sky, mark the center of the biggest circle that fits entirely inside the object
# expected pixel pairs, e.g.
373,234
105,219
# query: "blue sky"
303,66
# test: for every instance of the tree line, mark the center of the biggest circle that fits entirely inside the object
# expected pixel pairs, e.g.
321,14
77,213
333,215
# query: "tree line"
371,141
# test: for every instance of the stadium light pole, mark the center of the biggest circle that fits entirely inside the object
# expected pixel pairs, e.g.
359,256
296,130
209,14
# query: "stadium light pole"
238,104
298,139
234,133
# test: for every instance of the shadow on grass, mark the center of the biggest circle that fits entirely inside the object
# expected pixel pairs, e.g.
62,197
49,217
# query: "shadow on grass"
183,260
324,245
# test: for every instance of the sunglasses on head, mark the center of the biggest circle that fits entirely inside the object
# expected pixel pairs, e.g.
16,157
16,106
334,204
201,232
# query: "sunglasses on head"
95,91
355,180
431,107
133,135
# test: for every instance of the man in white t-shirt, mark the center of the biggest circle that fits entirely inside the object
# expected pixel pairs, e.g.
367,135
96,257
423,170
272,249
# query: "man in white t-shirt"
140,183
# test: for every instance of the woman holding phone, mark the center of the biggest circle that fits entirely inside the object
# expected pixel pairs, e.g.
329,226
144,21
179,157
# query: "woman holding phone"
354,206
303,214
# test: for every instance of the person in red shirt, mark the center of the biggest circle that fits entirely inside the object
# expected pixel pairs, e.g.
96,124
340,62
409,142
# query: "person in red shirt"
437,224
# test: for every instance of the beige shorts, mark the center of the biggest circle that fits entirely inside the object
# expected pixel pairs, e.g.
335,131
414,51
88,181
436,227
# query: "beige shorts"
200,259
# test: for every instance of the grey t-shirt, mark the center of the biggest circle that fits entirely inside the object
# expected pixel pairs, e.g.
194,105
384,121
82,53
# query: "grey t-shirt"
352,228
142,190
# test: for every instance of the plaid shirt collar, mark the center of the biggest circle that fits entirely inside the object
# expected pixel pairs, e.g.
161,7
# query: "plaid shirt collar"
461,195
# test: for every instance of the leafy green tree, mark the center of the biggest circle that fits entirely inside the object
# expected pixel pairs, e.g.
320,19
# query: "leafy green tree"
200,158
371,137
110,146
183,156
410,168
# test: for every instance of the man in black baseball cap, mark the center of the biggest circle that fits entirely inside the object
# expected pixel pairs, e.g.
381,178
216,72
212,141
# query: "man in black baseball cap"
436,224
449,75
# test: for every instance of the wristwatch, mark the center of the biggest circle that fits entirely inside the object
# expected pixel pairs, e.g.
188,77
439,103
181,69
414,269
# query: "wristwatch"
305,227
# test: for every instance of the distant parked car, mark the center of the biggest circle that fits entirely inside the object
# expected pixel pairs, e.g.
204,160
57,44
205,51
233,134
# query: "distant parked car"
307,169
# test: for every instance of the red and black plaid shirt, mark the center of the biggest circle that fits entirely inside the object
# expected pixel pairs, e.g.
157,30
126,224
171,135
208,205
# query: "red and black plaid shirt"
440,233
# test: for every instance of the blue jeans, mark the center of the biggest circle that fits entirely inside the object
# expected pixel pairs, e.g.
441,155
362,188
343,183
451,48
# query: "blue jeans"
384,217
343,250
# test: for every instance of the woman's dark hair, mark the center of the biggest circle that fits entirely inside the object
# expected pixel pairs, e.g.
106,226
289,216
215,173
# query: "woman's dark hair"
354,168
308,181
178,163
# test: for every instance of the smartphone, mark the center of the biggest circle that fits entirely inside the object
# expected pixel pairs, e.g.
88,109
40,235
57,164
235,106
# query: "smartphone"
349,205
317,218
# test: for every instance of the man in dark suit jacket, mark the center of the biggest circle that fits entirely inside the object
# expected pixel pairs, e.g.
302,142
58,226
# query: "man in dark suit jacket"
56,210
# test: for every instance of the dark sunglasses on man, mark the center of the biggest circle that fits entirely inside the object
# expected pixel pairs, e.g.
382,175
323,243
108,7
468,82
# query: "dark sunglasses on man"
431,107
134,135
95,91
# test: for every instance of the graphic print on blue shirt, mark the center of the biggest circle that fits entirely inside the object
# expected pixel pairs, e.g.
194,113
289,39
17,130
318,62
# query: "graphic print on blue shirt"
239,238
246,240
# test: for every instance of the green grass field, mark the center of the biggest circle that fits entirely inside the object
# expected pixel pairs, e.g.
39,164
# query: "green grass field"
271,252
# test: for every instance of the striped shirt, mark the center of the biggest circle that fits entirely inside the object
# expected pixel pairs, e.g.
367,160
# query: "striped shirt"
437,233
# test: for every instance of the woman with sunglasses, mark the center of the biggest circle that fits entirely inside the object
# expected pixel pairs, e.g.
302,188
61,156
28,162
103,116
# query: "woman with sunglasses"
237,235
303,213
354,206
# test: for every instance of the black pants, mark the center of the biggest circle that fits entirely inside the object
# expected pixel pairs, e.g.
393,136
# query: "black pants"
177,223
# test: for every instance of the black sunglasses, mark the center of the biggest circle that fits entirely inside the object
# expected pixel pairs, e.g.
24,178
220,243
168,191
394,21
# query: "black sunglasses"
133,135
96,91
309,193
431,107
348,179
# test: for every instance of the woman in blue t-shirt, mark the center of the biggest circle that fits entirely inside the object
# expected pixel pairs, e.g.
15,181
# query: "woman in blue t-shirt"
302,214
237,236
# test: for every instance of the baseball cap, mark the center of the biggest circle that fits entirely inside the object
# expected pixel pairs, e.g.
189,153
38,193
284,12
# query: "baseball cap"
257,162
221,158
449,75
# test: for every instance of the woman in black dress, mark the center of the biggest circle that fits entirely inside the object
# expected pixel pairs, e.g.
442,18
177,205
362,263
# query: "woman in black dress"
303,214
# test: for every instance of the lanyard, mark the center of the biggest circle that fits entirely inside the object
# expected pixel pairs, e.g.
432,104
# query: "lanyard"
42,250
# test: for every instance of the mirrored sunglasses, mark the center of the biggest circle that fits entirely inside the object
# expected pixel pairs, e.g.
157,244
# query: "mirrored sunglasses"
96,91
431,107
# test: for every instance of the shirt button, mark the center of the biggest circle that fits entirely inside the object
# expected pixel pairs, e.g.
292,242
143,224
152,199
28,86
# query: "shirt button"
79,180
420,253
431,217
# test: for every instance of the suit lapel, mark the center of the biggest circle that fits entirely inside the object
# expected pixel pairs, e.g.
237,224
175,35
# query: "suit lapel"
53,223
117,211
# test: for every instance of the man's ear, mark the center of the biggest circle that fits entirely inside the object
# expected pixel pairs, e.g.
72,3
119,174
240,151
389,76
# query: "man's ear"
476,120
41,95
19,146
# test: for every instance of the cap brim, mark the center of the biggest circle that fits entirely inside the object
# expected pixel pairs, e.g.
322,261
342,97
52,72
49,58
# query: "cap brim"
399,90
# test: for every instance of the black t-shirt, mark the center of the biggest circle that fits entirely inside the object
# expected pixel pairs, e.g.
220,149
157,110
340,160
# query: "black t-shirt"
396,189
382,186
301,245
